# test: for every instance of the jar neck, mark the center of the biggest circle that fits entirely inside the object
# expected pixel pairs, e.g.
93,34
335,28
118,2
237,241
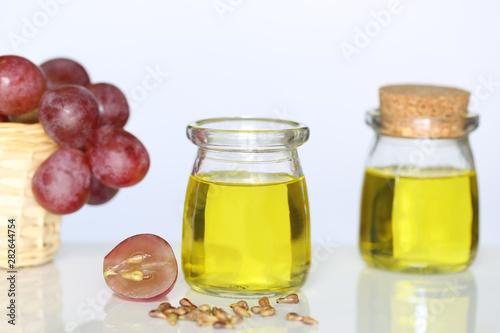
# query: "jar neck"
438,127
416,153
285,162
248,156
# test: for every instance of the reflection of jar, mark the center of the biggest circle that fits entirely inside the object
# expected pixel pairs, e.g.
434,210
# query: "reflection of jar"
389,302
419,210
246,216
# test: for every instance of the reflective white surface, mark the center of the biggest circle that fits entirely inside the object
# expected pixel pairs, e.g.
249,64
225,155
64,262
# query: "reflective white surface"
70,295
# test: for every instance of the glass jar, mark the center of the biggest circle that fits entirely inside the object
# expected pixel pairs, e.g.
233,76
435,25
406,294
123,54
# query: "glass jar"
246,217
419,209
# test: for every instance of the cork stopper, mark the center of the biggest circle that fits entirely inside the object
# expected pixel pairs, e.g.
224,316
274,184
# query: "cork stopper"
416,111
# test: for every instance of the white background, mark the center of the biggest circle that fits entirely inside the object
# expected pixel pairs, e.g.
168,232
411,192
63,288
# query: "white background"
279,58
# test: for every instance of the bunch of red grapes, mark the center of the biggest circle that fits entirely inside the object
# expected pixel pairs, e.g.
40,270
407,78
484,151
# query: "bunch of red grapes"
96,155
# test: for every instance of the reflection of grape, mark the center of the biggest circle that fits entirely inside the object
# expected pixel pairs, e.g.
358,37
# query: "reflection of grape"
117,158
113,106
69,115
22,84
63,71
62,183
100,193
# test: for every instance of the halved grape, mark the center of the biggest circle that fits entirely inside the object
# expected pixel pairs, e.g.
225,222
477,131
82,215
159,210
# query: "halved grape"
100,193
62,182
62,71
142,267
69,115
117,158
113,106
22,84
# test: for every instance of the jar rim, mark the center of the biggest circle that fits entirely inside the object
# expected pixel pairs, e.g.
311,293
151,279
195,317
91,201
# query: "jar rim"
247,134
376,113
293,125
437,127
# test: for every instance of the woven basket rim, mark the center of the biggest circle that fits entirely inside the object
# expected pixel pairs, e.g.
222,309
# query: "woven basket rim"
23,147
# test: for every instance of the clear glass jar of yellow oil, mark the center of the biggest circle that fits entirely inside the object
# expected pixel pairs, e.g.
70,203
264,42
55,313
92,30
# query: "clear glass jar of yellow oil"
419,206
246,229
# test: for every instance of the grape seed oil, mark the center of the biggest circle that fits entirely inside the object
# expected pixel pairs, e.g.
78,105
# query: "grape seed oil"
425,221
246,233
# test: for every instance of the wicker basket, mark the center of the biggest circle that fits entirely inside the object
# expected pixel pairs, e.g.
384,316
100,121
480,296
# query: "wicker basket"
23,147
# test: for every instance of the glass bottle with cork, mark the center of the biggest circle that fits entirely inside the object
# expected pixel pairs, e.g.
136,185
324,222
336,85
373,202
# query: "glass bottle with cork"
419,207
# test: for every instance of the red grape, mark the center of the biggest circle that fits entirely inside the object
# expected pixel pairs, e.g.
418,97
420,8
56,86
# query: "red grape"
117,158
62,183
142,267
22,84
100,193
62,71
69,115
113,106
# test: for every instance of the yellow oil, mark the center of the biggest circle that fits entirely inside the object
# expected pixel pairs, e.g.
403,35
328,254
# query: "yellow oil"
246,233
421,221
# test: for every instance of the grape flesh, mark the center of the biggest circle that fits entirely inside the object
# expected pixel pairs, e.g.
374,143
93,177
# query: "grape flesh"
117,158
69,115
100,193
22,84
62,71
113,106
61,184
142,267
